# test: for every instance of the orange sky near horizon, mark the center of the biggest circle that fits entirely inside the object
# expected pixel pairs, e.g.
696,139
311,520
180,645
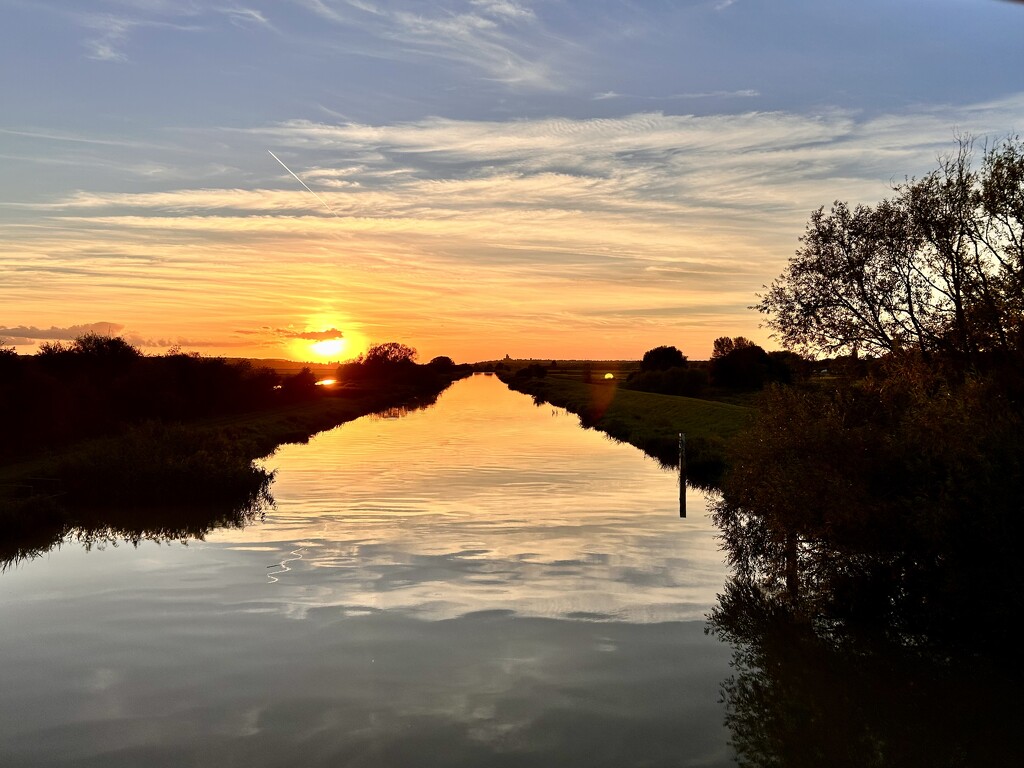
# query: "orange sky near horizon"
472,178
669,251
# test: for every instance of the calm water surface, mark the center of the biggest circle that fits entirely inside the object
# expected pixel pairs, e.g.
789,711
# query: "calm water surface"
481,583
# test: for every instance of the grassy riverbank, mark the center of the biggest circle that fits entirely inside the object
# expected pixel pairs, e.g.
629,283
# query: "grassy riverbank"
648,421
151,465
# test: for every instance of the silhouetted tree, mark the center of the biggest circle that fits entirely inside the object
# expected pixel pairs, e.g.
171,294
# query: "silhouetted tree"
892,506
662,358
389,353
111,350
745,366
723,345
937,269
52,348
390,361
442,362
9,364
787,367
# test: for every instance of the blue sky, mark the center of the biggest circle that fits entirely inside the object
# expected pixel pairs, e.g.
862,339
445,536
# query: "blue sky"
549,178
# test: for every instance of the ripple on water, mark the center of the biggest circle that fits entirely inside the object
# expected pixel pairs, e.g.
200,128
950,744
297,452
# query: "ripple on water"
477,583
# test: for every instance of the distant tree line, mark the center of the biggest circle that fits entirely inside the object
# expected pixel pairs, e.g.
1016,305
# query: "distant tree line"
152,448
395,363
736,364
97,385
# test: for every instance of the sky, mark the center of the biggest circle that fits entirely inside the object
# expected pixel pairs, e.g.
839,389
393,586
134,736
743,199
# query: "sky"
474,178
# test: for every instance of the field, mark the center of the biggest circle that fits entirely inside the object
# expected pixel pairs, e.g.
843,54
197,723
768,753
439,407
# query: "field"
651,422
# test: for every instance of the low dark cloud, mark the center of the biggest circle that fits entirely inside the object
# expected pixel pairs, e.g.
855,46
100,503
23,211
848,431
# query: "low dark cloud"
330,333
181,342
291,333
29,334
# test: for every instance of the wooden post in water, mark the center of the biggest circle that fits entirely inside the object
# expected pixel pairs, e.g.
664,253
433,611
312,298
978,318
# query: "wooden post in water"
682,474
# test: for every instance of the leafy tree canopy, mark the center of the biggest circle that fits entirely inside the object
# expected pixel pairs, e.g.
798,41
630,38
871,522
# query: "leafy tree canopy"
389,353
723,345
662,358
442,361
939,268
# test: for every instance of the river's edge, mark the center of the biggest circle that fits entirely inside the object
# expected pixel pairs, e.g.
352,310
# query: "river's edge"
650,422
218,453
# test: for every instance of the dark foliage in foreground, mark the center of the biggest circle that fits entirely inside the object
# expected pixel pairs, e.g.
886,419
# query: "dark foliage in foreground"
157,462
875,529
800,699
892,506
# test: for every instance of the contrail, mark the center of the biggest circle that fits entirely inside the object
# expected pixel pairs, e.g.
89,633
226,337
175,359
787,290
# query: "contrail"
304,184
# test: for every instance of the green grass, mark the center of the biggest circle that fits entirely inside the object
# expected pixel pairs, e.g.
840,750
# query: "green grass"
648,421
166,481
154,464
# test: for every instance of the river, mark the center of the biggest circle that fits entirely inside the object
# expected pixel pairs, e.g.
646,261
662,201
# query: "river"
479,583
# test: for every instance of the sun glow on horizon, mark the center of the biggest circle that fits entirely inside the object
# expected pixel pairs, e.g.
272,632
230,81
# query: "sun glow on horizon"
329,349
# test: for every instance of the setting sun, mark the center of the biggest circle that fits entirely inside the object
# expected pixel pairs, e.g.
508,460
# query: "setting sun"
328,349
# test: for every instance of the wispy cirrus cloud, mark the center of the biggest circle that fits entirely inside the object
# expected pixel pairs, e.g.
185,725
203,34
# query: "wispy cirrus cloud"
745,93
484,224
111,33
767,169
243,17
111,25
486,36
504,8
75,138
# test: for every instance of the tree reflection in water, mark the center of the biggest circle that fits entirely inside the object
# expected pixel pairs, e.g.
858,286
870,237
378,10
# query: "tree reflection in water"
810,692
874,533
98,527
